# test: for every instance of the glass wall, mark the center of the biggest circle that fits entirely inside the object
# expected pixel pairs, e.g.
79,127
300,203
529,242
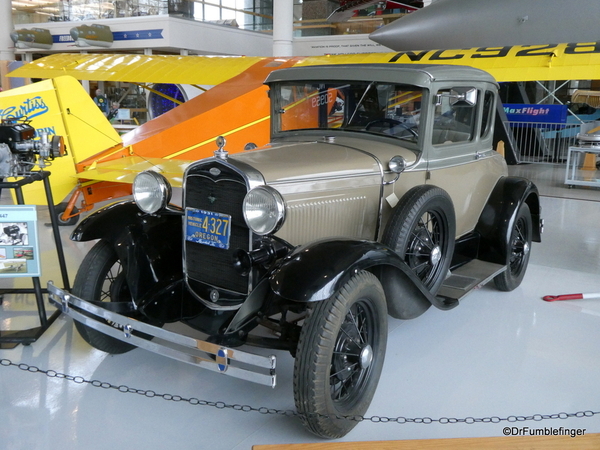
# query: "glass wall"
310,16
246,14
34,11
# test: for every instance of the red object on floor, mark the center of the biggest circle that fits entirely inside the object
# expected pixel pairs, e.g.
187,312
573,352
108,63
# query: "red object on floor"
554,298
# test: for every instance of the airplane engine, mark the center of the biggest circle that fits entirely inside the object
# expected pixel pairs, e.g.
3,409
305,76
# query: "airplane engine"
20,153
92,35
34,38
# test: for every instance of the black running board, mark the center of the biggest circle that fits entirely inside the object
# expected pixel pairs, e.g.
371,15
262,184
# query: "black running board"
467,278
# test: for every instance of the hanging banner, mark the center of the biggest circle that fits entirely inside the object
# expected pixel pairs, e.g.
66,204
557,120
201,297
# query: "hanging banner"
536,113
19,245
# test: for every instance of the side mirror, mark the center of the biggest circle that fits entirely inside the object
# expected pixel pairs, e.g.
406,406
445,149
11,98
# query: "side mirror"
463,95
459,96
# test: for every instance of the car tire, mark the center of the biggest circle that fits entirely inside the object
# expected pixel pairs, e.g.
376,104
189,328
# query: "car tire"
60,209
421,231
340,356
518,251
100,278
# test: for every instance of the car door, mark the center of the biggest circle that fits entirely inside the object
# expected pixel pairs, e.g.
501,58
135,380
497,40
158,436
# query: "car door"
461,159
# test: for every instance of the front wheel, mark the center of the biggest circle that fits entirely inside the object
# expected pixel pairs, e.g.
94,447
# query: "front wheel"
100,278
519,248
340,356
421,230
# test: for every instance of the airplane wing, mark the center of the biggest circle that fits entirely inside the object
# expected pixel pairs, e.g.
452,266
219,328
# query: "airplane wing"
124,170
574,61
207,70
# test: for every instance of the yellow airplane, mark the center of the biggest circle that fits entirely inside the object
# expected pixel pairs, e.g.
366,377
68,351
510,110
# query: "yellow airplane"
103,166
57,107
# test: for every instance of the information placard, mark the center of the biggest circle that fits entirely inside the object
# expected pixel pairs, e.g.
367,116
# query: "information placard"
19,245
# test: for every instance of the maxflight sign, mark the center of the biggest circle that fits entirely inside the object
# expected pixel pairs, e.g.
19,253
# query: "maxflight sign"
536,113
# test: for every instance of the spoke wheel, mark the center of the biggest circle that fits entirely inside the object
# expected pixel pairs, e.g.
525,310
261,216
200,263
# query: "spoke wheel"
352,355
421,230
519,248
100,278
340,355
424,247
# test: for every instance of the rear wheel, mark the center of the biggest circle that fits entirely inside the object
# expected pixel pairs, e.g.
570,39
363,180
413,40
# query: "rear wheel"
100,278
340,355
519,248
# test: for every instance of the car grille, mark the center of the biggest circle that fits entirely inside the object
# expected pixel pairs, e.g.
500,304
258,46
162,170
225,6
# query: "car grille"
217,188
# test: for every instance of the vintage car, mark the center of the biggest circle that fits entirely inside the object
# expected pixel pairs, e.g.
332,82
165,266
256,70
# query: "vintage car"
380,193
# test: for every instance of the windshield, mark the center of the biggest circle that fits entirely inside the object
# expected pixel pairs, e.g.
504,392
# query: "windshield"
371,107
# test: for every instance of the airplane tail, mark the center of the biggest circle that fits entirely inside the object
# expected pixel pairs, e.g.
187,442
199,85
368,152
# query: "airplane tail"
60,107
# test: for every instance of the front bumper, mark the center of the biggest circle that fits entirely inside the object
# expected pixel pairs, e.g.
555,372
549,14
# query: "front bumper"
247,366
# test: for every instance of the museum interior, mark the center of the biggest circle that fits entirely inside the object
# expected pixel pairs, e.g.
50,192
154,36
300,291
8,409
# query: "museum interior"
372,181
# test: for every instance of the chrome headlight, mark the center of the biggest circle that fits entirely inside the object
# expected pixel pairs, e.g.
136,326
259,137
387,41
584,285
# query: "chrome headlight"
264,210
151,191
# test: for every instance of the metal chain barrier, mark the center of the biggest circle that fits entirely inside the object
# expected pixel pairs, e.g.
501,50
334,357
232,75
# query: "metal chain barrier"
288,412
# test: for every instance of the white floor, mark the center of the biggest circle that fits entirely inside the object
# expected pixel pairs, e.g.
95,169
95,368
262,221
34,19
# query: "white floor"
497,355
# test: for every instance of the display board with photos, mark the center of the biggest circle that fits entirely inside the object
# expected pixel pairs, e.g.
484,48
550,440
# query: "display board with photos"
19,244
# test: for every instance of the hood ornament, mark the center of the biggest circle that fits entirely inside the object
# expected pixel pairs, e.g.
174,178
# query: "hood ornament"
221,153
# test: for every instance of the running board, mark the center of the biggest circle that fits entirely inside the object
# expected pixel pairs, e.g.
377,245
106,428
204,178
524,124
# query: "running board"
467,278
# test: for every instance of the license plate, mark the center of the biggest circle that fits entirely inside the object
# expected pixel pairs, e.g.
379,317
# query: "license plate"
207,228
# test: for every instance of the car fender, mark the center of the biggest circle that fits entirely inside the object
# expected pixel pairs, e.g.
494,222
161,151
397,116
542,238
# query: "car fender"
150,251
498,216
317,271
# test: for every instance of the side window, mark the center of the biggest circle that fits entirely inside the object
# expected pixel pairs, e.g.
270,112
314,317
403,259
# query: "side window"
488,112
298,108
453,121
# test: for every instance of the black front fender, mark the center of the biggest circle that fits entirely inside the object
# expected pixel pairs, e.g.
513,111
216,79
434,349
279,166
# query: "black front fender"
497,219
317,271
150,251
108,222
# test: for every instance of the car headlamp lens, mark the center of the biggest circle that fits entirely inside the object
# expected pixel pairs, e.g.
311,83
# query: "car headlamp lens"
264,210
151,191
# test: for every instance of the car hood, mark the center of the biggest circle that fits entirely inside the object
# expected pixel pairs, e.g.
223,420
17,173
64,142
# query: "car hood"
294,161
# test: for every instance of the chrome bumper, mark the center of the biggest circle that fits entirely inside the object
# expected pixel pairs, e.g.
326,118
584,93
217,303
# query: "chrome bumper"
247,366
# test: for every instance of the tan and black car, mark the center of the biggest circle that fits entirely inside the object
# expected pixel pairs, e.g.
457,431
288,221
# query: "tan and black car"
380,193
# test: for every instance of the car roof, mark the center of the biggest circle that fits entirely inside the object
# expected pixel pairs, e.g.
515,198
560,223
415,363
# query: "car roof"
417,74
